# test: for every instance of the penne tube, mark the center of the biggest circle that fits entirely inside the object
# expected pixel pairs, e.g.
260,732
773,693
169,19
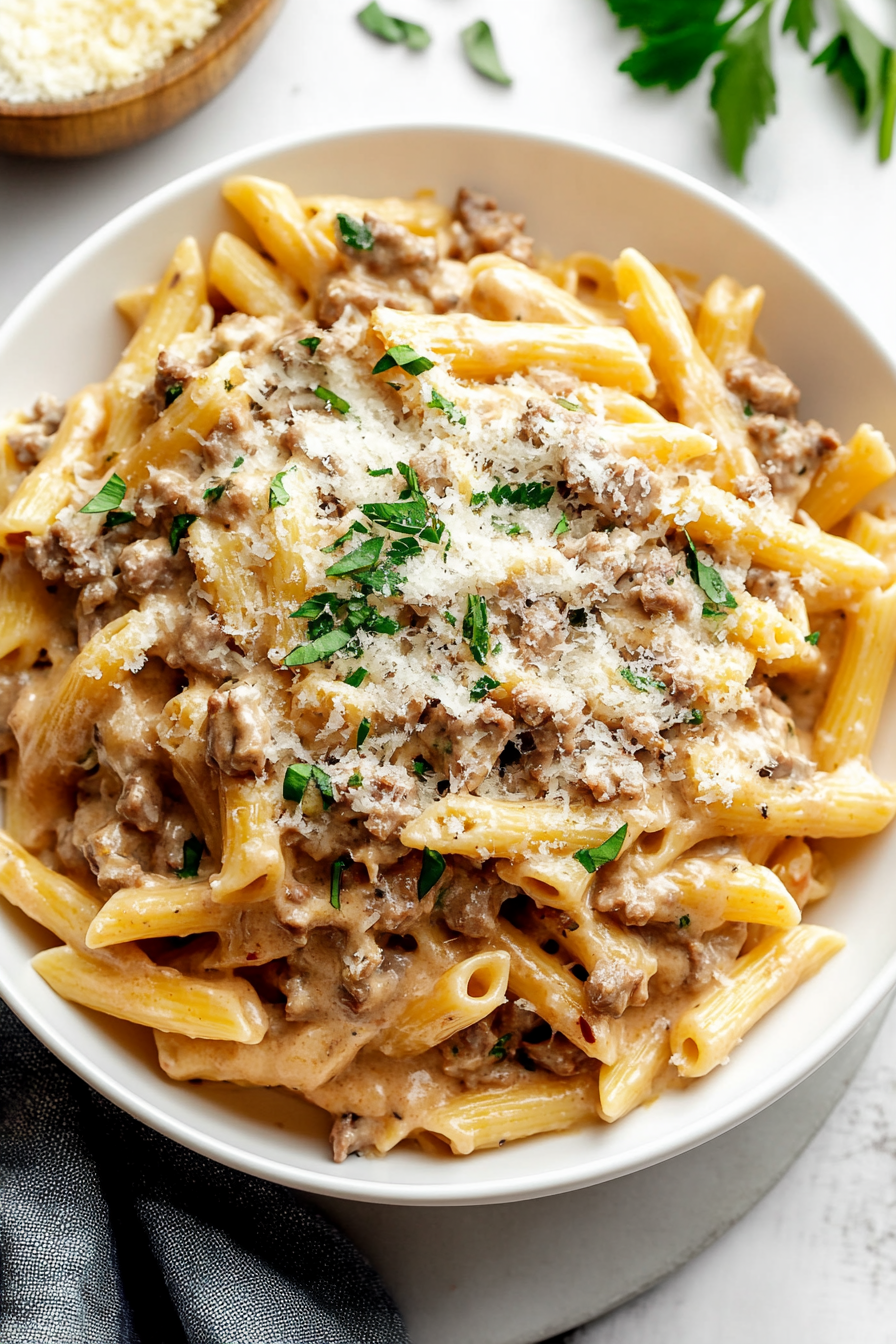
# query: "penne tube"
808,874
658,443
656,318
299,1055
182,735
730,888
163,911
505,290
133,304
773,637
462,995
847,476
54,901
217,1007
475,348
421,214
32,621
877,535
728,315
555,994
597,940
190,418
630,1081
231,574
848,722
705,1035
489,827
539,1106
51,485
848,802
715,516
557,880
250,282
318,701
621,408
294,534
252,865
281,226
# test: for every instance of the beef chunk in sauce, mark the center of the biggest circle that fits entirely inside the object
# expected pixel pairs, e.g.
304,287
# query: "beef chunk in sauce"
763,386
239,733
481,227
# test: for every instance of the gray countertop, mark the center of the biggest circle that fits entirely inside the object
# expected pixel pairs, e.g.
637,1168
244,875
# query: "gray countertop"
817,1257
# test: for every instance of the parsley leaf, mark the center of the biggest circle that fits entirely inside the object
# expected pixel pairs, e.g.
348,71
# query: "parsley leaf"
364,556
403,357
356,678
340,541
179,526
407,515
676,57
278,494
562,525
431,869
800,19
708,580
172,393
354,233
318,650
297,779
527,495
355,780
499,1049
214,492
439,403
331,399
379,471
640,681
390,29
475,627
193,851
450,618
339,867
111,495
743,87
480,689
684,921
592,859
117,517
695,717
312,342
568,405
813,638
312,607
481,52
363,733
420,767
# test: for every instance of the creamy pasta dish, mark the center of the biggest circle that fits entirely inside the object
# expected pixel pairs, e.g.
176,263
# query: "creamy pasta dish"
429,669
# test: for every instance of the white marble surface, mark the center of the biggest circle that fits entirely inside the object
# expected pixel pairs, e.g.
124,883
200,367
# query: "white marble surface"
817,1258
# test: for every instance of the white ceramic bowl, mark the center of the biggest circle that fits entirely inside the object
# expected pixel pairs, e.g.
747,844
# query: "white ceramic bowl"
66,333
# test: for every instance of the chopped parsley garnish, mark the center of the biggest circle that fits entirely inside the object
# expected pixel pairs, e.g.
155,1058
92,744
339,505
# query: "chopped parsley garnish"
357,615
363,733
403,357
214,492
592,859
297,779
278,494
379,471
192,857
117,517
640,681
452,620
420,767
407,515
228,385
364,556
684,921
390,29
354,233
312,342
439,403
813,638
695,716
312,607
511,529
111,495
499,1049
356,678
748,410
526,495
479,46
172,393
331,399
709,581
340,541
569,405
354,780
431,869
318,650
562,525
179,527
339,867
480,689
475,627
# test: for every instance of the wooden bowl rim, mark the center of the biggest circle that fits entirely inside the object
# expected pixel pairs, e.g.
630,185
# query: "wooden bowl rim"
236,17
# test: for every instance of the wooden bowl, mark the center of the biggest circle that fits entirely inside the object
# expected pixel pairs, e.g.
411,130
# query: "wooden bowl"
123,117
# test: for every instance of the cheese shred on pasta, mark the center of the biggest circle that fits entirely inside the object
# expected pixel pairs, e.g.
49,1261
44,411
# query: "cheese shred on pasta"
412,656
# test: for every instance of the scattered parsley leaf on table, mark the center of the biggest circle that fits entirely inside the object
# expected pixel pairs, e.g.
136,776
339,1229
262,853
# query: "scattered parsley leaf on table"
743,87
391,29
481,52
858,57
800,19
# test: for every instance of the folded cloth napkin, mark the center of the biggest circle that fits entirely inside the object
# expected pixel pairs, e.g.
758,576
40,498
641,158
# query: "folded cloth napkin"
111,1234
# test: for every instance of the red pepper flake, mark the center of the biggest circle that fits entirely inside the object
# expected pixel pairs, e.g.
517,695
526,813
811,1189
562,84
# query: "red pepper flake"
585,1029
251,956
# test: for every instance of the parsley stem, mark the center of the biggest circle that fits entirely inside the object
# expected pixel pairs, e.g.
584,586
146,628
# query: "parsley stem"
888,116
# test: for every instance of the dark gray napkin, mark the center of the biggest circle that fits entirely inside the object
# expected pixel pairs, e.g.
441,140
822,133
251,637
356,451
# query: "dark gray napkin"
111,1234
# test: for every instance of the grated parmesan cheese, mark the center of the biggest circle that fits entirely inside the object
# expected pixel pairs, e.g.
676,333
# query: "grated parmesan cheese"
57,50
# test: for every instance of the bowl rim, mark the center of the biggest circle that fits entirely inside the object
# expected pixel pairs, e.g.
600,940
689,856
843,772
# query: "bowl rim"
183,64
476,1191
